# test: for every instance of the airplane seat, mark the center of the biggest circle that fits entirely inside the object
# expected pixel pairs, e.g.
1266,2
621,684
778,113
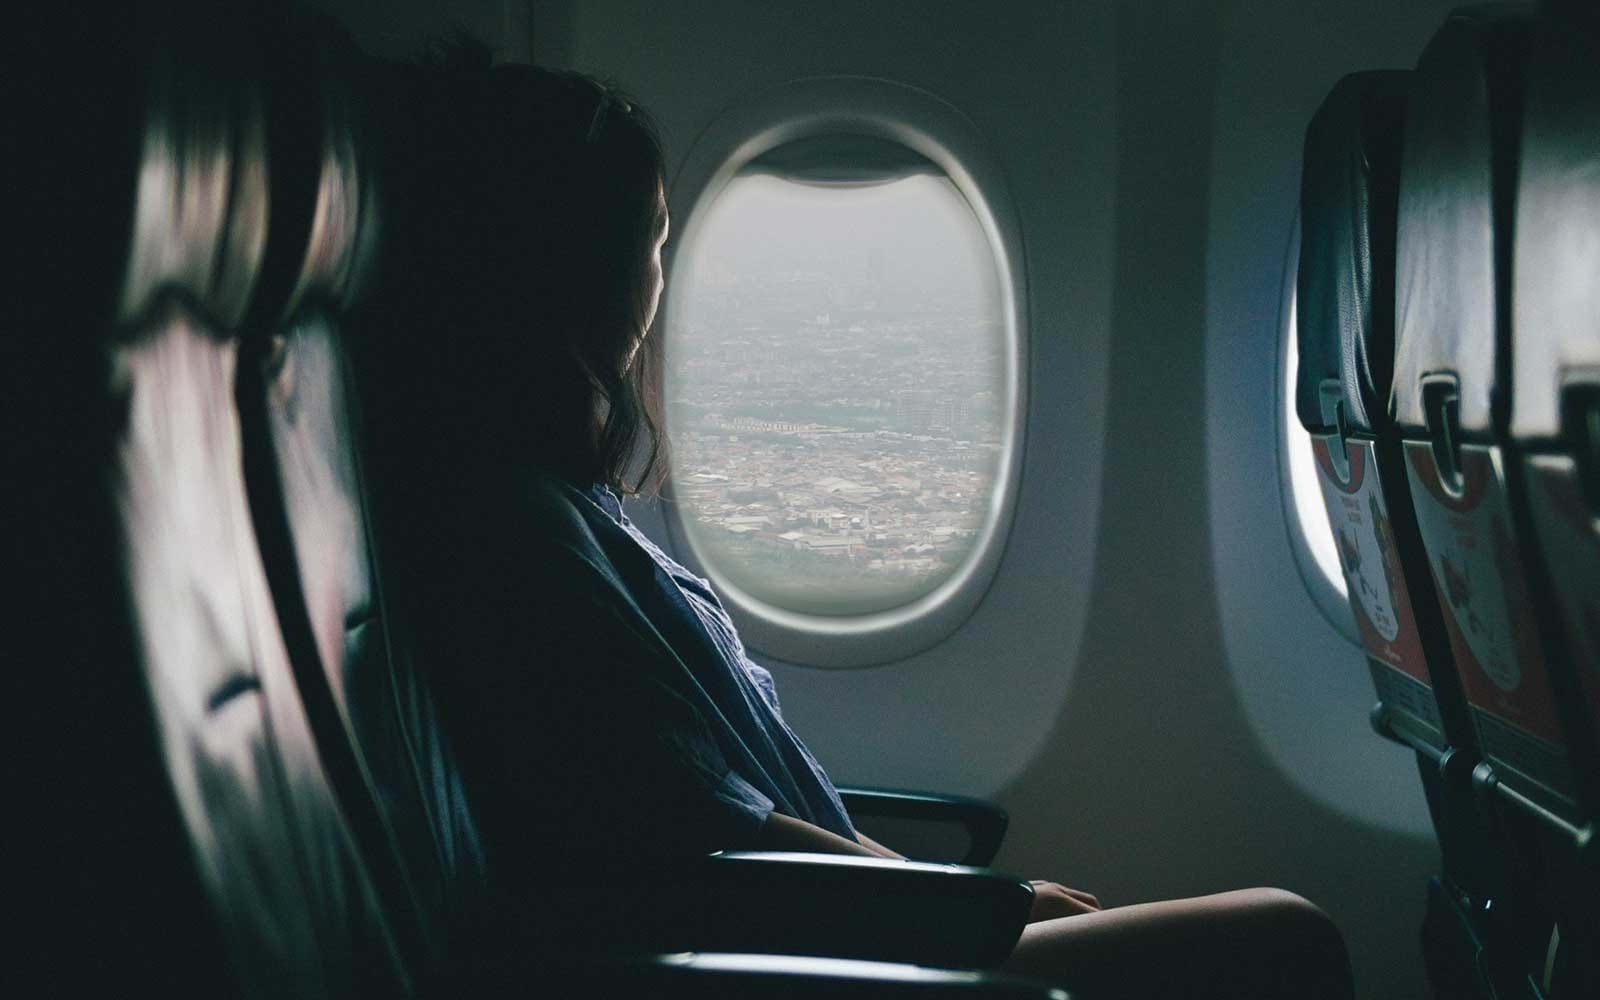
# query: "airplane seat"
1451,401
1555,350
230,868
1345,325
929,826
1555,406
374,715
1455,228
106,890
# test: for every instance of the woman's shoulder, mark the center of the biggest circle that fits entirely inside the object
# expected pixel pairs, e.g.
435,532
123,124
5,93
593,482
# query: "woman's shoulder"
560,518
584,547
570,524
554,498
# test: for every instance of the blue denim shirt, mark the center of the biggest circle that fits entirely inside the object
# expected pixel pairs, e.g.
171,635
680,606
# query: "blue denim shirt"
601,707
769,767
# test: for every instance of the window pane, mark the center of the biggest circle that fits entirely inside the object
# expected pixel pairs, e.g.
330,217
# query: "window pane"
1309,508
835,389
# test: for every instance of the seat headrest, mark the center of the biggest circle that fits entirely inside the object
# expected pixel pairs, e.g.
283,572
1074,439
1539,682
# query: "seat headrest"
1556,298
245,210
200,213
1344,298
323,225
1453,241
250,196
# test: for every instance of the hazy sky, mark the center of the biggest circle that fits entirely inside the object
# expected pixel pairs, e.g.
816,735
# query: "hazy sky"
924,235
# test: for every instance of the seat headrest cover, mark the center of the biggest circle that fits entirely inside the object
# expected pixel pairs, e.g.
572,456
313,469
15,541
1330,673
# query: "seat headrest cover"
200,216
1454,225
250,194
331,251
343,230
219,199
1344,301
1556,299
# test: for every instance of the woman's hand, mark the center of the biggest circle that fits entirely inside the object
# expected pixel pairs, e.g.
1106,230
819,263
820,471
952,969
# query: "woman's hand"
1051,900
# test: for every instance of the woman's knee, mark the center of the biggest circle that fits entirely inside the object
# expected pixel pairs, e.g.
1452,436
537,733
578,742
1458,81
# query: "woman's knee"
1296,916
1297,932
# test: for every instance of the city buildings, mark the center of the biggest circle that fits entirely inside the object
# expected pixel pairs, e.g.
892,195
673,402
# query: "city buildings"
836,440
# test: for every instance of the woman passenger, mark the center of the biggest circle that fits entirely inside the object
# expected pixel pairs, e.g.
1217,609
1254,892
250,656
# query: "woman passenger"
607,715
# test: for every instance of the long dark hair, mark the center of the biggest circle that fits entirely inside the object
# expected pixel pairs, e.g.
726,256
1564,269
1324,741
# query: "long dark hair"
544,188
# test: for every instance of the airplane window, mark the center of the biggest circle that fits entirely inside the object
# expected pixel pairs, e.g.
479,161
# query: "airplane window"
836,386
1311,517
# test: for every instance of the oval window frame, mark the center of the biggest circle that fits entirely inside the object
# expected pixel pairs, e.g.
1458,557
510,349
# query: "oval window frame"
932,127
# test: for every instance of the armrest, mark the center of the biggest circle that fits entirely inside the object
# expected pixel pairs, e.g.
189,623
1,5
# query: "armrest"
984,821
721,976
797,904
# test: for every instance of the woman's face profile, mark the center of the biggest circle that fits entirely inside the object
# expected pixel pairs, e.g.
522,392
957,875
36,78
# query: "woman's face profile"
654,279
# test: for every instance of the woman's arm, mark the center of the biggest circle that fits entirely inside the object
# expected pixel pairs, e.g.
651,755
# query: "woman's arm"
785,833
877,848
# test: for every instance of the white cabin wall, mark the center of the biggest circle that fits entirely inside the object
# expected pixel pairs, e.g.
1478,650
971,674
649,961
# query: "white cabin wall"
1280,648
1213,704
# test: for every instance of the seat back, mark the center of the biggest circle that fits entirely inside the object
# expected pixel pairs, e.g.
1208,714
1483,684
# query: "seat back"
1451,391
196,699
1555,356
296,896
1555,424
108,890
1460,217
1345,303
1345,326
298,405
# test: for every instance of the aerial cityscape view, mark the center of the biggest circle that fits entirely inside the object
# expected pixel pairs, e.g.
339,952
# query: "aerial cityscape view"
834,395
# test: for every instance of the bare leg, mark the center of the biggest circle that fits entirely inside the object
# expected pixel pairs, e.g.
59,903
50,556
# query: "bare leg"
1253,943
